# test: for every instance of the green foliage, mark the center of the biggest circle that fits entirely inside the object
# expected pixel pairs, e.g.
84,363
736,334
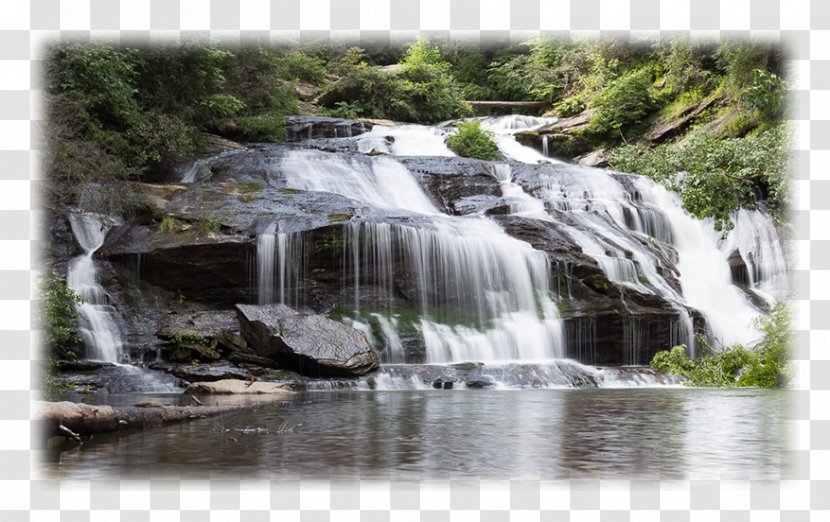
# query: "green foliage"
422,90
303,67
52,387
721,176
766,95
471,141
765,366
99,79
570,107
189,337
209,225
58,312
170,224
625,101
120,113
260,128
739,61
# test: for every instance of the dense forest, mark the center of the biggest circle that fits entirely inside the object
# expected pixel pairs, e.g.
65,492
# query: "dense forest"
710,112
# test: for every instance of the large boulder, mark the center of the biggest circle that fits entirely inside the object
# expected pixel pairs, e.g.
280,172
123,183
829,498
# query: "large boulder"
309,344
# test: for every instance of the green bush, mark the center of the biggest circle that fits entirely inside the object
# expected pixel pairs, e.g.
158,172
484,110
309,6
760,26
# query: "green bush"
58,313
301,66
624,102
766,95
260,128
765,366
471,141
570,107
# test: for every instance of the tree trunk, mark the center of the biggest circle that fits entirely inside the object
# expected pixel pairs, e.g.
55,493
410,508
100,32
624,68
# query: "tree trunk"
56,418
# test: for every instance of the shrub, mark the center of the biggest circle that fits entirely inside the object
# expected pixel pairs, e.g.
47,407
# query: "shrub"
624,102
58,313
570,107
261,128
301,66
763,367
471,141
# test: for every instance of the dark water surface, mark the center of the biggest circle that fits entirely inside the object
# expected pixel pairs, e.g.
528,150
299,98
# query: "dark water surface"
438,434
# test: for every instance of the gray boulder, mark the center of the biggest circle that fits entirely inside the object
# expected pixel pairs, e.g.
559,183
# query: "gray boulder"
312,345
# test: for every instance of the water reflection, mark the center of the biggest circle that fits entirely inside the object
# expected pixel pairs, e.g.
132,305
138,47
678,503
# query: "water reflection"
642,433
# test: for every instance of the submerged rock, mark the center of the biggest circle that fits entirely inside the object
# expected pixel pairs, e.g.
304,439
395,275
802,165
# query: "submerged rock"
309,344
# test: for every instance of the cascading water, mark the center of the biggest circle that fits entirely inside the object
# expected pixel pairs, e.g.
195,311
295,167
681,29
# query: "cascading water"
265,252
505,127
759,244
482,294
100,331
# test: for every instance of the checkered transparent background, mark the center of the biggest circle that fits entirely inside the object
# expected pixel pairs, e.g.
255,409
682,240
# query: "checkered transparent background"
803,27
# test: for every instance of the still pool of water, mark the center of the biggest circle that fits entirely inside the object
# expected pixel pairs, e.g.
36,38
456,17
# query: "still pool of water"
659,433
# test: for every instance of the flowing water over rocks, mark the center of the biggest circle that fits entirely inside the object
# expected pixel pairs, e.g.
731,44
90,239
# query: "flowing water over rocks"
518,264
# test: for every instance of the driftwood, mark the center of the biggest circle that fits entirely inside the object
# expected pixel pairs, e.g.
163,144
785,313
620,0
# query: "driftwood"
73,419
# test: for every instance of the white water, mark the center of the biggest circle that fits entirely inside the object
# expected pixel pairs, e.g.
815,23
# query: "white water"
99,329
461,265
408,140
634,229
505,128
704,271
761,248
265,253
421,140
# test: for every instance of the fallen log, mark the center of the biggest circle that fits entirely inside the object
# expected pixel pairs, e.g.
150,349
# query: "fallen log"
74,419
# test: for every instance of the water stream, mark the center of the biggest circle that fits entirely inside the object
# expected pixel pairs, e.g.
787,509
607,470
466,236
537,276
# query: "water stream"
100,325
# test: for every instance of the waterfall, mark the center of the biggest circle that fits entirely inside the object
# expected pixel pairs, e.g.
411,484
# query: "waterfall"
545,146
756,239
265,251
480,293
483,295
99,329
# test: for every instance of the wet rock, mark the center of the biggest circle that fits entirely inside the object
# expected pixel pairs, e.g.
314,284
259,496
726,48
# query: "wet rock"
310,344
452,183
81,366
442,384
202,372
738,268
111,378
595,158
207,324
480,384
309,127
60,245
